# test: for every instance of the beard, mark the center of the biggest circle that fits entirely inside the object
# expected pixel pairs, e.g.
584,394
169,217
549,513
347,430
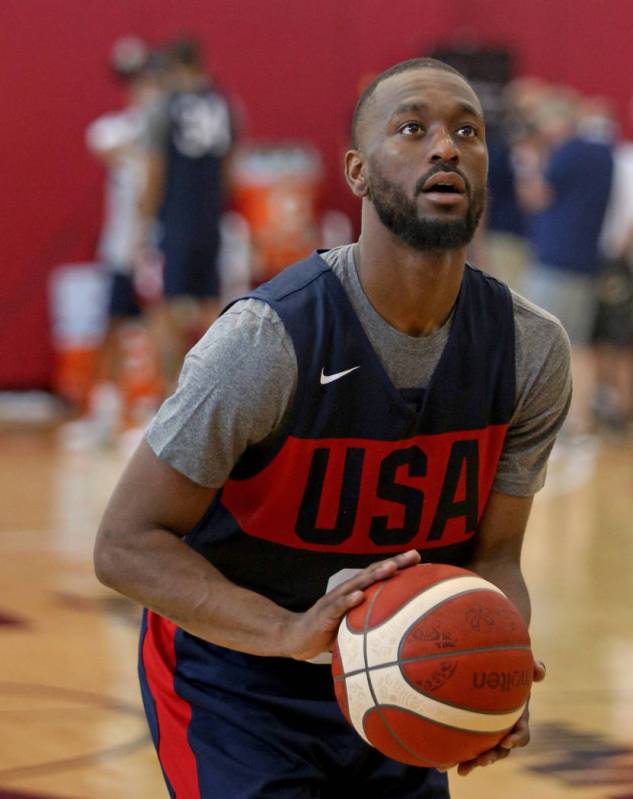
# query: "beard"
400,214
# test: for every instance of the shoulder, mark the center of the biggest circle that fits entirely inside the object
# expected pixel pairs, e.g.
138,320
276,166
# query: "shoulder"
248,311
535,325
248,340
246,346
234,390
293,279
533,316
541,343
247,320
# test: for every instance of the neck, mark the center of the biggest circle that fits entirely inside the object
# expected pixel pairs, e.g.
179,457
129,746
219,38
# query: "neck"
413,291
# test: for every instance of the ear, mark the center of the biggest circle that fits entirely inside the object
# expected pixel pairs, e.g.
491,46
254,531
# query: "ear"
355,172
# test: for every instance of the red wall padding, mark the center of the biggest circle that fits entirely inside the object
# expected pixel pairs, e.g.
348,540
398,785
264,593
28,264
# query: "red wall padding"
294,65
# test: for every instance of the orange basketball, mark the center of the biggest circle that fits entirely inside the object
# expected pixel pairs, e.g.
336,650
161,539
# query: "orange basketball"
434,666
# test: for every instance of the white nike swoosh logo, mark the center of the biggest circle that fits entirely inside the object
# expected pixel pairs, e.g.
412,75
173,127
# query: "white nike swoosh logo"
325,379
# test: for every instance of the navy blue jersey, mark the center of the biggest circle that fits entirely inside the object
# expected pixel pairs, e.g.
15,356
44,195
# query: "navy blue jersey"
504,213
360,471
199,136
566,233
363,470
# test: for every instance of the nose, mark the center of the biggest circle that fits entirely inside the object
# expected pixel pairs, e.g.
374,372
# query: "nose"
443,147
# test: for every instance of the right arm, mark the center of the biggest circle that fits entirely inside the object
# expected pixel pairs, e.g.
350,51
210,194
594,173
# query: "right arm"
190,448
153,144
154,186
140,553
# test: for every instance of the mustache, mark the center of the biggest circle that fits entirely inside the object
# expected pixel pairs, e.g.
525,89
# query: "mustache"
441,168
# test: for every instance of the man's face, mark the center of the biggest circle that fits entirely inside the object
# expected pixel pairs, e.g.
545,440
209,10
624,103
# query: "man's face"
426,161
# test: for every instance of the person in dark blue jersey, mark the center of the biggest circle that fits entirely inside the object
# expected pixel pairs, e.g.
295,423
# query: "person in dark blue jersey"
189,142
568,202
371,406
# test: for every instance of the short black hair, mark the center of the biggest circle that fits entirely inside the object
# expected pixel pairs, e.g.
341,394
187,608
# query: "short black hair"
396,69
184,52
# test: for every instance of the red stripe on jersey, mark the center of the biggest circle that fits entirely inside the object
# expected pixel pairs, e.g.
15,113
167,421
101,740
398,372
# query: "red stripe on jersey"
267,505
172,711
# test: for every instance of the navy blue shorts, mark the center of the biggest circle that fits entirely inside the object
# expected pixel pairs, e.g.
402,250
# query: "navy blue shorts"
232,726
191,265
123,303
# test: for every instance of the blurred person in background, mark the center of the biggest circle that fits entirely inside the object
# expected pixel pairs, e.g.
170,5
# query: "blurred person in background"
524,98
504,245
116,139
566,196
188,144
614,327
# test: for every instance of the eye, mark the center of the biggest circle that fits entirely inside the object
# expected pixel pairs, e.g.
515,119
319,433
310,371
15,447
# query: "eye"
410,129
468,131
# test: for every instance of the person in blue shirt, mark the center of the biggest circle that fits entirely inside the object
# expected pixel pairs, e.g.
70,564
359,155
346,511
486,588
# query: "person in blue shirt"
505,244
568,201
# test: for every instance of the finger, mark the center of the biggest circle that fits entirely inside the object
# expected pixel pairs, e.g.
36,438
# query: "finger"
489,757
464,769
365,578
483,760
518,737
335,607
501,754
540,671
521,725
409,558
381,570
387,567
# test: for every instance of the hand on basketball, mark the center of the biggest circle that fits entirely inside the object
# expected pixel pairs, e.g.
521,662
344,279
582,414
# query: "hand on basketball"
314,631
519,735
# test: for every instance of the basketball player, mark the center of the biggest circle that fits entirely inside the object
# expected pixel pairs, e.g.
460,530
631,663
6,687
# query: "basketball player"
189,142
374,404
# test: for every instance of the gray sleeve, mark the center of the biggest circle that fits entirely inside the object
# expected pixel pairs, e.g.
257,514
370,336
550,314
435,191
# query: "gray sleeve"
542,401
235,390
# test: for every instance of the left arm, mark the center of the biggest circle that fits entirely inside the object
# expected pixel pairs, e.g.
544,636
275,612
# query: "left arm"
498,559
543,396
498,554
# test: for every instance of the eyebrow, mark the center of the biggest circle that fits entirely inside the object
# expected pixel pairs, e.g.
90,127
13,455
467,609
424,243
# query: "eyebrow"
462,105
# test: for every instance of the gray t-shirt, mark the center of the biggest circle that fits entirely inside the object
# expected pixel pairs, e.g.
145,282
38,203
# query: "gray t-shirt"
238,382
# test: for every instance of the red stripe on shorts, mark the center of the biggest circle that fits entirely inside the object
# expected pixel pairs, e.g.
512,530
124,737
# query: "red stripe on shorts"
172,711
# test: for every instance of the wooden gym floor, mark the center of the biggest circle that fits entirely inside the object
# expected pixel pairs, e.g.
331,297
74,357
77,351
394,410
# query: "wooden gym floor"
71,724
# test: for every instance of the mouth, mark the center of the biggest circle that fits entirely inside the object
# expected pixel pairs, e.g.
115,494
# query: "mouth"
445,188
